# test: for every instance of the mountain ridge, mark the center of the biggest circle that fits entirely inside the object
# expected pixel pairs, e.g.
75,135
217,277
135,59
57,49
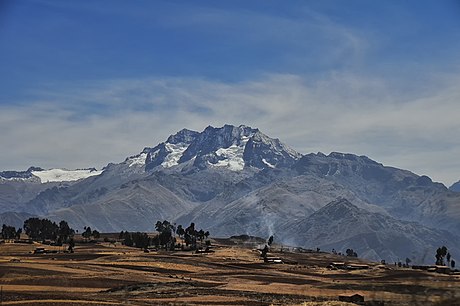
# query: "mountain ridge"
234,180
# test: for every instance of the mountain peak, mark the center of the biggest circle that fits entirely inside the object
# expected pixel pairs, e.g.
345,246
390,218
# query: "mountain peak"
230,147
183,136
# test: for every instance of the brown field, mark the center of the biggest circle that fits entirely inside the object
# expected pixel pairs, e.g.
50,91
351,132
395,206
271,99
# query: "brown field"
108,274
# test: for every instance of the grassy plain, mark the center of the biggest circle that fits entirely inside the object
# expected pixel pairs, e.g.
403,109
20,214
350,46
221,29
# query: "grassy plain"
112,274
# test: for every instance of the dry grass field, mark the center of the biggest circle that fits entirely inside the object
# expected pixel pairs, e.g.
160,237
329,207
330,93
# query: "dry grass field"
112,274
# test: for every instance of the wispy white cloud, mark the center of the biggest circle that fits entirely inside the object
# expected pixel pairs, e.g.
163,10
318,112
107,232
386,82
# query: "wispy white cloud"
340,112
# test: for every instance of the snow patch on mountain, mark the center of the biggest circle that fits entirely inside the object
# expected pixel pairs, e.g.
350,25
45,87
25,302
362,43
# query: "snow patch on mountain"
63,175
137,160
267,163
233,156
175,152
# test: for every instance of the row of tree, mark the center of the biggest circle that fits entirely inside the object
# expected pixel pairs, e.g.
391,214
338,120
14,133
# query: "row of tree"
138,239
44,229
10,232
166,238
190,234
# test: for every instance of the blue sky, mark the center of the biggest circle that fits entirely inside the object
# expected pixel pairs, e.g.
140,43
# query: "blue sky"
84,83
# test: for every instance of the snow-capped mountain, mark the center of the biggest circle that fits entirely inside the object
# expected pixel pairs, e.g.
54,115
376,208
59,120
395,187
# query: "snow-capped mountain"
229,147
234,180
19,187
50,175
64,175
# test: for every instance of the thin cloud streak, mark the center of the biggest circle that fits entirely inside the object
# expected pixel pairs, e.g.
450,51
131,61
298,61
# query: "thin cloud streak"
340,112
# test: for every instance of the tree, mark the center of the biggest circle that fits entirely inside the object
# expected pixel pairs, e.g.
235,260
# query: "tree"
18,233
264,252
32,227
42,229
191,235
49,230
165,238
448,256
440,254
452,264
87,233
128,241
270,240
95,234
160,226
71,244
444,250
180,230
351,253
200,235
8,232
64,232
165,234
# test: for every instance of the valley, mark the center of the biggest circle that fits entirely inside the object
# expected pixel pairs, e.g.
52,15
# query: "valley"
105,273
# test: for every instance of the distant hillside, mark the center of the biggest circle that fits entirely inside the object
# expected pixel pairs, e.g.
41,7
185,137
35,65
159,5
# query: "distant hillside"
342,225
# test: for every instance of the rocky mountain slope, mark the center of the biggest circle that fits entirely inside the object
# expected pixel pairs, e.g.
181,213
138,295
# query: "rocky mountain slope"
403,194
341,225
455,187
235,180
